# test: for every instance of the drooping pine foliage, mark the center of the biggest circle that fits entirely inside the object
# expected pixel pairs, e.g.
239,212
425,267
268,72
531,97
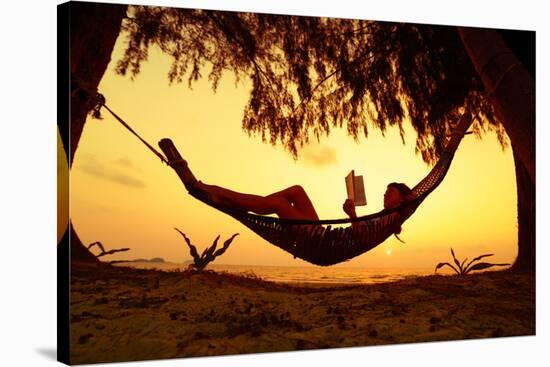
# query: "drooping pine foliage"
311,74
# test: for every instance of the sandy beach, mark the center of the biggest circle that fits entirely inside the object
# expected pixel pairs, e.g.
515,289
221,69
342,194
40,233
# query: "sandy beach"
124,314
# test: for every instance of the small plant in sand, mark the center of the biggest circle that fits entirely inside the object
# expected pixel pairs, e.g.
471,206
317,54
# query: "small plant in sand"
471,266
209,253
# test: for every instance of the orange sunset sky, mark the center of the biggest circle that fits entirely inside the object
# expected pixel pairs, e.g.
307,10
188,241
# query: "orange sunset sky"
124,196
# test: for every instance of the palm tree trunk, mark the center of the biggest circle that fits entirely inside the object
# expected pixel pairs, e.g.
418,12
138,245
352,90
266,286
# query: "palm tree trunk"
92,32
511,91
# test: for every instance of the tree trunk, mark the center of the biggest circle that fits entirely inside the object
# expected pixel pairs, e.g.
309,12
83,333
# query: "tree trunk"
511,91
526,219
94,29
509,86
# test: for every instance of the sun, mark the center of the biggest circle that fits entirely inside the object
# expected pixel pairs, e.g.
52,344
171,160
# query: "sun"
388,252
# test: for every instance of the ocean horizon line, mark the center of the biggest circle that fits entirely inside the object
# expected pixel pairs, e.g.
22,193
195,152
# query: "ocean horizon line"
313,266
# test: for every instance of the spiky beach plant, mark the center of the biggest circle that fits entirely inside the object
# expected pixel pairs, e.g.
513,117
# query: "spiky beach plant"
209,253
471,266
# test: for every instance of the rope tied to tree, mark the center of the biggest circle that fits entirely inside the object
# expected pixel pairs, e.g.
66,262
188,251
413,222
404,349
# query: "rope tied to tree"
102,103
80,90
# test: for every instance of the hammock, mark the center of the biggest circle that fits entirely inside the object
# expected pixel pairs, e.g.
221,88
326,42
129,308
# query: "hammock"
316,241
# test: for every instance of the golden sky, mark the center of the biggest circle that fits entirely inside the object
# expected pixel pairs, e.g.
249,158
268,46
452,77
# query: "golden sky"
124,196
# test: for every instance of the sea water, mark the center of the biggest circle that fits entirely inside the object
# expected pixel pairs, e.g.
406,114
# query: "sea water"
303,274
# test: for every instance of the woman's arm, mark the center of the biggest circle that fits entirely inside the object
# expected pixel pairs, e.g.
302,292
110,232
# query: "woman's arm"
349,209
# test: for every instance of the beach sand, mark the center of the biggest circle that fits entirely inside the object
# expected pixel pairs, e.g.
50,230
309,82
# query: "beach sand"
126,314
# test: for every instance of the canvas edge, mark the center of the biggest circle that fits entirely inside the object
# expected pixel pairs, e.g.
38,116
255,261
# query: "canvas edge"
63,247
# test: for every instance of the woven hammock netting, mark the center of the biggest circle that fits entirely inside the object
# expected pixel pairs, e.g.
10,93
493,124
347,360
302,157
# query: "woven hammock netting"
318,242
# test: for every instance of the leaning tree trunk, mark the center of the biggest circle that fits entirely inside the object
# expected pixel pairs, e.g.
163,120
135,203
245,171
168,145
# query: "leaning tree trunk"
526,218
93,33
511,91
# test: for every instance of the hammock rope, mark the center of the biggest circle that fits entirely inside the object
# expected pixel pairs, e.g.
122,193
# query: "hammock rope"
317,241
162,158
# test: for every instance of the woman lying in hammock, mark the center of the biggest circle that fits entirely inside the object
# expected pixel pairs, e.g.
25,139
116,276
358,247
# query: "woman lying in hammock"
292,202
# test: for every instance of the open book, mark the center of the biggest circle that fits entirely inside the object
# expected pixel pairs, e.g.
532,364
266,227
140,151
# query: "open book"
356,189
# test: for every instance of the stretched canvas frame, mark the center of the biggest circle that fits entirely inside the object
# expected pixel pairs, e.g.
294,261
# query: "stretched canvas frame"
72,88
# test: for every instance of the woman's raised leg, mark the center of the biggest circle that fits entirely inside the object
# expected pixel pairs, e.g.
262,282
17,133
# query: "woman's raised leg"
298,198
291,203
